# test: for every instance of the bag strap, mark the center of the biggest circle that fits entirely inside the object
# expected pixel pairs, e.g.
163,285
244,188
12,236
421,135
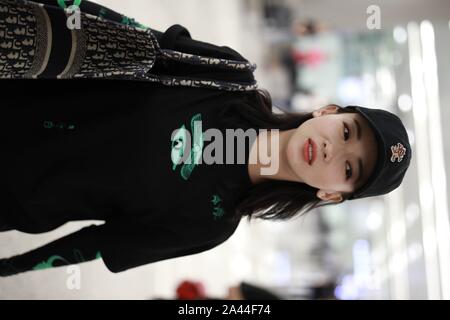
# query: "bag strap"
167,54
202,60
169,39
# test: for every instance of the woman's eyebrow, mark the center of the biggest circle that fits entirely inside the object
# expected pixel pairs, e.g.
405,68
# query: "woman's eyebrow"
360,164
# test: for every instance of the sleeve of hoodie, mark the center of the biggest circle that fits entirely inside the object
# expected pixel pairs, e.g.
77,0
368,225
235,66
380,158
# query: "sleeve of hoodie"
122,245
78,247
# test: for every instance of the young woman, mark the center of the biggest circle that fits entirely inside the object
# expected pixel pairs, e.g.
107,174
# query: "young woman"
97,149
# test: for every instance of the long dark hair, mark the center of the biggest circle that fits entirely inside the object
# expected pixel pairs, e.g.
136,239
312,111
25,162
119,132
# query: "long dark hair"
274,199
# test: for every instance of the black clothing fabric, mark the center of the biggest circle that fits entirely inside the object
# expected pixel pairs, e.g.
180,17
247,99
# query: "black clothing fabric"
115,165
101,150
74,248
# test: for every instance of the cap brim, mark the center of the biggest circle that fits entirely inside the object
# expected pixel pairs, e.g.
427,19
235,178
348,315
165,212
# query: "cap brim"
381,156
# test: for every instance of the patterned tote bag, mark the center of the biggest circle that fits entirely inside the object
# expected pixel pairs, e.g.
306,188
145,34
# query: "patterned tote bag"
99,48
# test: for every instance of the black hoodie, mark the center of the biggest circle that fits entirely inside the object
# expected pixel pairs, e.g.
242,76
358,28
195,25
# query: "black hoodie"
101,150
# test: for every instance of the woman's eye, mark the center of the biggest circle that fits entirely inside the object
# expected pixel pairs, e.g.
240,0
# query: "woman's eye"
346,132
348,171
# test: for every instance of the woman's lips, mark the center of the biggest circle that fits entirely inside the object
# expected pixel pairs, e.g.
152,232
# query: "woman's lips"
314,150
306,151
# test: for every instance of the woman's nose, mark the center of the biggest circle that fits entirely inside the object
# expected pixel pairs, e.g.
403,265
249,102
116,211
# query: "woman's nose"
326,151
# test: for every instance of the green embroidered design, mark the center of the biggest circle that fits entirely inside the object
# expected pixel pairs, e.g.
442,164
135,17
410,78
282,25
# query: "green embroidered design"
63,5
50,125
102,13
216,199
49,263
218,211
179,144
132,23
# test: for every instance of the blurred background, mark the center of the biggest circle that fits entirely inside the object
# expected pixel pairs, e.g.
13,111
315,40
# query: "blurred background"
310,53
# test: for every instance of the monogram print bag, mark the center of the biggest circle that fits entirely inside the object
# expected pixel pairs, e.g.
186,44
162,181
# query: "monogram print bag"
99,48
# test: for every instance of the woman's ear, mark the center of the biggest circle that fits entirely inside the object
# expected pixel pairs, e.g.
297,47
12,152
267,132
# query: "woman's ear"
329,196
329,109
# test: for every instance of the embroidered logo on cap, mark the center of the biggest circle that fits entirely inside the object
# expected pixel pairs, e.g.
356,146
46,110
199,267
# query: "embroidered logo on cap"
398,152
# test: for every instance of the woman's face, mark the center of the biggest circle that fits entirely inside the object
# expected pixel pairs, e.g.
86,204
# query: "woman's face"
339,152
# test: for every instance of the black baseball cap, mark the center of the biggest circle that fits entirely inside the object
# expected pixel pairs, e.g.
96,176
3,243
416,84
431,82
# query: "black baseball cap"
394,152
